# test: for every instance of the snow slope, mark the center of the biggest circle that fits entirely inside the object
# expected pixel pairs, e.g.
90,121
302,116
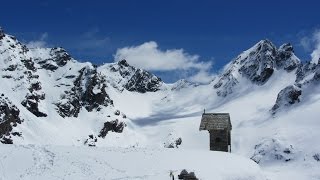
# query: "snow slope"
67,162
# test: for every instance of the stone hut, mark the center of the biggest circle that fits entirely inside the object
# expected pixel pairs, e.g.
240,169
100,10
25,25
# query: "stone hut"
219,127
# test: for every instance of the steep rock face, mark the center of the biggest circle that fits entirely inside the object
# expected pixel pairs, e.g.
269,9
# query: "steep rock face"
121,75
88,91
257,64
307,76
286,97
308,72
50,58
18,66
286,59
9,118
143,81
226,83
113,126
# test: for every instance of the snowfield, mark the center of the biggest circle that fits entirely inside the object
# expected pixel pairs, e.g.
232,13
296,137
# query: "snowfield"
82,163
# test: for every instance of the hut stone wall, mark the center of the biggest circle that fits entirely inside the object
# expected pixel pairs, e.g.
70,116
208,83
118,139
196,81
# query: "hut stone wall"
219,140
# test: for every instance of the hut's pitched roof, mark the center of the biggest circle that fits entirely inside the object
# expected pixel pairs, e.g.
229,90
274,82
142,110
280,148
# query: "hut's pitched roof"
211,121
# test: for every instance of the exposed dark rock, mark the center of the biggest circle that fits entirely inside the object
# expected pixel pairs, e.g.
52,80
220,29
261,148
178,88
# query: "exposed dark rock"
17,134
257,65
60,56
9,118
117,113
6,140
48,65
31,103
143,81
124,116
184,175
35,86
29,64
316,157
305,70
70,76
7,76
123,62
69,109
91,140
95,93
286,97
11,67
316,76
285,58
113,126
1,33
133,79
91,96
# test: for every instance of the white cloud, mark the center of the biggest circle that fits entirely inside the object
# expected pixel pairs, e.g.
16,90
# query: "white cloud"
148,56
315,55
40,43
201,77
306,43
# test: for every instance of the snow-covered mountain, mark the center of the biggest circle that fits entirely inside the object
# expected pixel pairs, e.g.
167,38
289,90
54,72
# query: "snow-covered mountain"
49,98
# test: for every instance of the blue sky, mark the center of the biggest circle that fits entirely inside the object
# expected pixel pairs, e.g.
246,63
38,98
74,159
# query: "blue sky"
215,31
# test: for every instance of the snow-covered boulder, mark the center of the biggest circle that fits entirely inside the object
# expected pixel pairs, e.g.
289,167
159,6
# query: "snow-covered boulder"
272,150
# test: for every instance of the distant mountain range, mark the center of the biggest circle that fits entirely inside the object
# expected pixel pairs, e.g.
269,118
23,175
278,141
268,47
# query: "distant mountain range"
48,97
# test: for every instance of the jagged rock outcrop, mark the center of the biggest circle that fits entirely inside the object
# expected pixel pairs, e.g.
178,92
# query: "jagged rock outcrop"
133,79
88,91
307,75
143,81
286,59
19,66
91,140
113,126
9,118
55,58
185,175
32,99
287,97
308,72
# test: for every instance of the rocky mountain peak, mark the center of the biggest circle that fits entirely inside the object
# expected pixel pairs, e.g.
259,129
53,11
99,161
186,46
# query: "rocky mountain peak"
257,64
121,75
265,44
